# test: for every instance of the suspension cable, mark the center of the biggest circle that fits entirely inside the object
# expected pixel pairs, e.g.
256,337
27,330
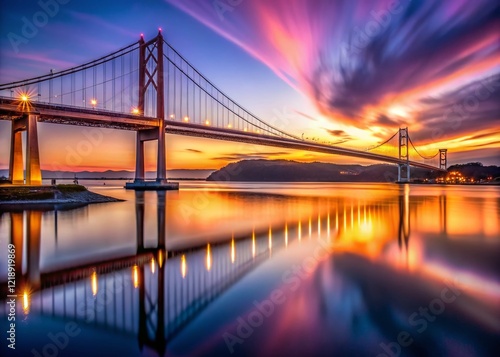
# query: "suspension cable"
82,67
422,156
221,92
385,142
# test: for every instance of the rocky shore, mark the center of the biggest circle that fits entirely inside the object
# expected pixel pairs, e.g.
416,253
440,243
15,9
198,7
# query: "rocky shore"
57,194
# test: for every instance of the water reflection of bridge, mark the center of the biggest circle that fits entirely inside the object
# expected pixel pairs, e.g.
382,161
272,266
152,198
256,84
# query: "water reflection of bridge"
155,293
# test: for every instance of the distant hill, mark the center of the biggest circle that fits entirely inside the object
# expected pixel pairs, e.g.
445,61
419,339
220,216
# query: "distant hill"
122,174
292,171
476,170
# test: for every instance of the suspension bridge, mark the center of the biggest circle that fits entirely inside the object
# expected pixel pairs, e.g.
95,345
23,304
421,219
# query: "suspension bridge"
150,88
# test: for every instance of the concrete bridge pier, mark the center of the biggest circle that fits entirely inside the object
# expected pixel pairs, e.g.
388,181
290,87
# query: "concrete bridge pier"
16,171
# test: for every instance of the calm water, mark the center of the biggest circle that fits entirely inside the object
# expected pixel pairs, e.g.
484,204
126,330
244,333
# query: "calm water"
259,270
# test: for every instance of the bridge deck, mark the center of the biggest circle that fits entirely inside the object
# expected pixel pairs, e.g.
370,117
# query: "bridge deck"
10,109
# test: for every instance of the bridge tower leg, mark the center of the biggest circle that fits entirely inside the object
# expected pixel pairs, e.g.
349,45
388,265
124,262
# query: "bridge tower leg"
16,171
404,157
151,72
33,173
443,158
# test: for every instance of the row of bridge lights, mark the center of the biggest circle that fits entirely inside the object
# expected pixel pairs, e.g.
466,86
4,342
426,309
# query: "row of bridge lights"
25,97
207,123
135,110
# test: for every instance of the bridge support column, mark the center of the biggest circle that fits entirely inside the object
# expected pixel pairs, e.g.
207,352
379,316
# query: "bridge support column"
33,172
16,172
151,75
404,157
139,159
161,170
443,158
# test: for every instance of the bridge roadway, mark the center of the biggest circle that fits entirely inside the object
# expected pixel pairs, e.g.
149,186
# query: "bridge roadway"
11,109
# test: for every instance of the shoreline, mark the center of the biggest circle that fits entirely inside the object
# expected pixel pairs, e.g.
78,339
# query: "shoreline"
50,195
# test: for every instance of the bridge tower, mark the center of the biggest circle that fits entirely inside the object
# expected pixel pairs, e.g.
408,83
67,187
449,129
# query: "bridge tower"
443,158
151,77
404,157
27,123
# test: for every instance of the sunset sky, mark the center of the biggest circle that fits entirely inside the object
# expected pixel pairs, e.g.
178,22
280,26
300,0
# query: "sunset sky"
348,72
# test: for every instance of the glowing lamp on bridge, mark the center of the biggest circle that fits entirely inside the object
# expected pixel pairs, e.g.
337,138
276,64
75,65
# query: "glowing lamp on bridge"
207,122
25,97
172,116
229,125
186,119
135,111
245,129
93,102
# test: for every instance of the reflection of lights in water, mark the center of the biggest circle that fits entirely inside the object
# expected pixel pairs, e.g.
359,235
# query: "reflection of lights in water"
93,283
135,276
26,303
407,207
152,265
364,212
366,228
310,227
359,214
253,244
345,218
183,266
209,258
233,251
337,219
319,225
286,234
299,230
160,258
352,215
328,225
270,239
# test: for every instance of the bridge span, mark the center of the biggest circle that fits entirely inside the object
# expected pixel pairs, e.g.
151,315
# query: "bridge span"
165,83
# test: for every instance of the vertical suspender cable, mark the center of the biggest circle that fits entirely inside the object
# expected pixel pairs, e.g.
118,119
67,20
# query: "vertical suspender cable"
122,82
104,85
113,79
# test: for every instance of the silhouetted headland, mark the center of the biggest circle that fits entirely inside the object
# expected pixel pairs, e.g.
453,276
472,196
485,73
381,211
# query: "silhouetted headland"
292,171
